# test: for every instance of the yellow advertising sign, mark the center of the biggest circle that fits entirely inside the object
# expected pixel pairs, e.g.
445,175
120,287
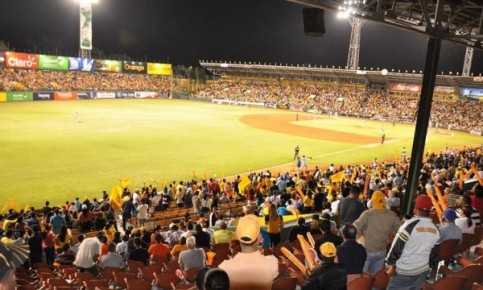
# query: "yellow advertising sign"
3,97
164,69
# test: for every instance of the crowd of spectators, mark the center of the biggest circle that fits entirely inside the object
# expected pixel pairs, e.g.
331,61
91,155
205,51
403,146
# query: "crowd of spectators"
461,114
39,80
333,204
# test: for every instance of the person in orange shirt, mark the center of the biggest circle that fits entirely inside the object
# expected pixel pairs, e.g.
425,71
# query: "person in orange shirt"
159,249
104,246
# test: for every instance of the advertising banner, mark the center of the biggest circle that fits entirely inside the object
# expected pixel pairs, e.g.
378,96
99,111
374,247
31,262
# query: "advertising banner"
145,95
85,25
472,92
53,62
105,95
82,64
124,95
164,69
43,96
21,60
2,58
444,90
19,96
405,88
134,67
64,96
85,95
3,97
102,65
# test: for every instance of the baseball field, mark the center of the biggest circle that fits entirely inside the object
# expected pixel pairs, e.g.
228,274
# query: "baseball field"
47,153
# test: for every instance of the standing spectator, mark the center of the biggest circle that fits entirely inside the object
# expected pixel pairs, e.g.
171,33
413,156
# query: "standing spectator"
328,236
127,210
35,246
350,208
57,221
142,210
48,245
376,226
274,223
411,248
261,270
88,255
351,254
75,247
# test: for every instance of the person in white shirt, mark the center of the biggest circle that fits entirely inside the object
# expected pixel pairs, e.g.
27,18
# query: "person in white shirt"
142,213
89,251
464,221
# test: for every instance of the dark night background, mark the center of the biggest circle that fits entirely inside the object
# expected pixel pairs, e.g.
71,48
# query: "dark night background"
185,31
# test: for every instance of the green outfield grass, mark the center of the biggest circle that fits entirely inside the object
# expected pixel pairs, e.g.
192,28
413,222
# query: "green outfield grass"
45,154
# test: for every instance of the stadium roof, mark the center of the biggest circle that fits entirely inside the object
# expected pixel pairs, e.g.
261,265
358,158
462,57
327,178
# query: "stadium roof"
459,21
336,74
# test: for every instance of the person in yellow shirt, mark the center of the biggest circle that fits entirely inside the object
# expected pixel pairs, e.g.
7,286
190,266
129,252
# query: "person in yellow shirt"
223,235
178,248
8,238
274,223
308,203
64,237
109,231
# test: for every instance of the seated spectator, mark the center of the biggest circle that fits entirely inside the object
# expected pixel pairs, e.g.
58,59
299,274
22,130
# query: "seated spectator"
66,256
122,247
193,257
160,249
203,238
449,230
351,254
181,246
299,229
465,222
222,235
139,253
328,236
216,279
329,275
112,259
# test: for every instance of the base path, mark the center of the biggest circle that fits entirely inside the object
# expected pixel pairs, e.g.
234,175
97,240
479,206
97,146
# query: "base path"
283,123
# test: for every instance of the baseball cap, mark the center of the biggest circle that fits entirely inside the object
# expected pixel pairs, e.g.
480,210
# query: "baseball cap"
378,200
328,250
12,256
423,202
450,214
248,229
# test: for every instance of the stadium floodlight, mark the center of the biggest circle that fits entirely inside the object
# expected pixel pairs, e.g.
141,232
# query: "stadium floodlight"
85,27
384,72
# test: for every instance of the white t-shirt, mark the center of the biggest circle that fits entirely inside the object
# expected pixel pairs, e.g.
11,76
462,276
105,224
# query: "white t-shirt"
88,249
462,223
142,211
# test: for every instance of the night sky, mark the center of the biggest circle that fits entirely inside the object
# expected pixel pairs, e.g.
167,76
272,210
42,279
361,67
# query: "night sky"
185,31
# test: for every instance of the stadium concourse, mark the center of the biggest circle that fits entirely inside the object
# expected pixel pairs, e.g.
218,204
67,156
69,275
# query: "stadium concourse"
159,225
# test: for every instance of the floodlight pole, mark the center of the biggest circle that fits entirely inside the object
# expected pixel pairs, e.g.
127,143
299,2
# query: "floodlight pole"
355,42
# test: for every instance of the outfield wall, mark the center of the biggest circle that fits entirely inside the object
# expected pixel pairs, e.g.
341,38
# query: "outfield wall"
77,95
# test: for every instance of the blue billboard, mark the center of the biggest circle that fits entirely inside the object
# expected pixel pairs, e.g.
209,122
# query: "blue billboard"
82,64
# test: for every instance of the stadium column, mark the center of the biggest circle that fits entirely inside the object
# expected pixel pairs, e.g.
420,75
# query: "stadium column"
426,98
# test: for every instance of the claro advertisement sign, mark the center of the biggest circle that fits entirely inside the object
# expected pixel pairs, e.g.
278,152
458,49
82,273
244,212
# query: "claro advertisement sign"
21,60
134,67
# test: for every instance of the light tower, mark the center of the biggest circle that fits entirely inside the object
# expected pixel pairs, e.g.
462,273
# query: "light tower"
85,27
355,43
348,11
